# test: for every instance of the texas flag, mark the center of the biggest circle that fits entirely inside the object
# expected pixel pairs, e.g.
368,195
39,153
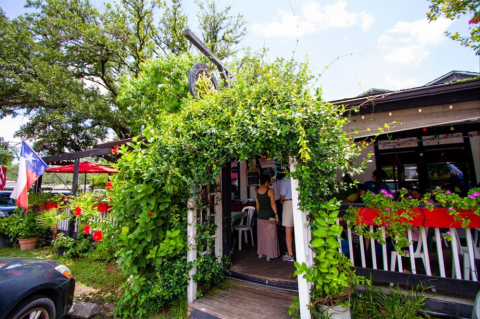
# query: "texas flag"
30,167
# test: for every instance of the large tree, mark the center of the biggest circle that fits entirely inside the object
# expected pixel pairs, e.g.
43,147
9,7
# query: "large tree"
63,64
454,9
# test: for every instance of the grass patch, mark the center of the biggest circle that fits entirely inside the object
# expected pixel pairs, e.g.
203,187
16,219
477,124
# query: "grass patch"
98,275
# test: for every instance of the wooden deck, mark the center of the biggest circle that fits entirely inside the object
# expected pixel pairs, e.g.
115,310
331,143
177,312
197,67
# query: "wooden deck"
239,300
246,265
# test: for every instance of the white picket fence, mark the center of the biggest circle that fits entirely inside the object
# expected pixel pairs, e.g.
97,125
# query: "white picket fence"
463,257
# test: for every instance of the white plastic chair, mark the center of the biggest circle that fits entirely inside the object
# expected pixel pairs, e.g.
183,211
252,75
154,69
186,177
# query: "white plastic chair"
241,227
417,254
463,251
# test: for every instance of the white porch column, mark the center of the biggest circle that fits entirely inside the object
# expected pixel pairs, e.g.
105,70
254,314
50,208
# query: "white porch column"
303,252
218,220
191,248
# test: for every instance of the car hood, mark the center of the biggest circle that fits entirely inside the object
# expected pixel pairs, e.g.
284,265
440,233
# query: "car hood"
15,268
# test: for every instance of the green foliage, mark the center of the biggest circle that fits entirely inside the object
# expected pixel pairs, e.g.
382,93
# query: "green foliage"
454,9
6,156
62,64
373,303
80,248
270,110
50,219
221,32
24,226
160,87
63,241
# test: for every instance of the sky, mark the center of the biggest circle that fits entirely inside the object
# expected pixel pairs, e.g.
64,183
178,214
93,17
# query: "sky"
381,44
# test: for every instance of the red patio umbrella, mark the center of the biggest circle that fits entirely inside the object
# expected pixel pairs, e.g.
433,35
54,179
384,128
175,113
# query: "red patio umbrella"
84,167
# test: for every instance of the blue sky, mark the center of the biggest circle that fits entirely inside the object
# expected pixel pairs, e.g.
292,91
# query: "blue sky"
385,44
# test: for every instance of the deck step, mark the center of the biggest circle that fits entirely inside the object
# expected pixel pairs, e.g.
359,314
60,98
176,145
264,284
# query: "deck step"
236,300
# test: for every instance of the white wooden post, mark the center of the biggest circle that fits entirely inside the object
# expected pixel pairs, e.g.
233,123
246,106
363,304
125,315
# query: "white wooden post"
303,252
218,221
192,248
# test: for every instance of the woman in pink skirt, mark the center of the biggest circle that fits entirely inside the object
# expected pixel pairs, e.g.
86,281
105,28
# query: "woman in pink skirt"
267,221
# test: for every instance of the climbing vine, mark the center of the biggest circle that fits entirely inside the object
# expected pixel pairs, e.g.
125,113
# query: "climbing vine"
271,109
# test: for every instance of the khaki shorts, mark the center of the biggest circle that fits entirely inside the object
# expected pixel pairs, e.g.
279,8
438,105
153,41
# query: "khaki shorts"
287,215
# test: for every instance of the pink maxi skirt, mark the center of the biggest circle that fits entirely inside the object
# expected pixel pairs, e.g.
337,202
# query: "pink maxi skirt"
267,239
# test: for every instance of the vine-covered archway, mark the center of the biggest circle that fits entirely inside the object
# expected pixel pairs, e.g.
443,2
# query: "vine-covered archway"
272,109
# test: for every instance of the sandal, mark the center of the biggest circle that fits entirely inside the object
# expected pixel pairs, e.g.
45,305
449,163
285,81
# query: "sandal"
268,259
260,257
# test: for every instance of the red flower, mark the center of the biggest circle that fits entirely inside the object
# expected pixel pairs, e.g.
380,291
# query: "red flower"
97,235
86,229
474,20
39,207
115,149
109,185
110,199
78,211
150,213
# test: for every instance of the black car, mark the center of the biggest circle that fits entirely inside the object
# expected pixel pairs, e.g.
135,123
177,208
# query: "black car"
7,205
34,288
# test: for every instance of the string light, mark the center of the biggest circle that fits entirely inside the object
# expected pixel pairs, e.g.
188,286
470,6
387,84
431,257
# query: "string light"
363,117
451,107
424,129
419,110
452,128
390,114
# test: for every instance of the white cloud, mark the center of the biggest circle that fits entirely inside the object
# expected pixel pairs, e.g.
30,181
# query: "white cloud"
408,42
407,54
401,83
314,17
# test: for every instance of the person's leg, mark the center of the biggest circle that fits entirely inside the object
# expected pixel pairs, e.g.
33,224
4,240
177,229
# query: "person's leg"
289,239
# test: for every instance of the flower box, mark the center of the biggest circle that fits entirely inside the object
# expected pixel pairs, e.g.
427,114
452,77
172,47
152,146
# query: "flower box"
438,217
51,205
104,207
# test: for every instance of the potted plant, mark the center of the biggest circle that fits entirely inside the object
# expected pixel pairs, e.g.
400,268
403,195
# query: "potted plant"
50,219
62,243
26,229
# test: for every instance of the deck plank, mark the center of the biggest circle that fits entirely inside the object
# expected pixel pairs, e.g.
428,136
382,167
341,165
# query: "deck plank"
236,299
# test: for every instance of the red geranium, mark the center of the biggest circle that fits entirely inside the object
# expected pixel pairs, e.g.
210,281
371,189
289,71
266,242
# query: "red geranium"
110,199
78,211
109,185
115,149
97,235
150,213
86,230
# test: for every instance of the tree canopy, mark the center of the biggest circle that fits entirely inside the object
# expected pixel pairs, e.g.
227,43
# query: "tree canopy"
454,9
63,64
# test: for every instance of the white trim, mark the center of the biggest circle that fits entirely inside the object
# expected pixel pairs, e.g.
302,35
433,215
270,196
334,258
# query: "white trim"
303,251
192,248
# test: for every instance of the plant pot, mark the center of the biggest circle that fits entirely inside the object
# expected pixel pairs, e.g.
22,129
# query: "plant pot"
51,206
28,244
61,251
338,312
5,241
104,207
